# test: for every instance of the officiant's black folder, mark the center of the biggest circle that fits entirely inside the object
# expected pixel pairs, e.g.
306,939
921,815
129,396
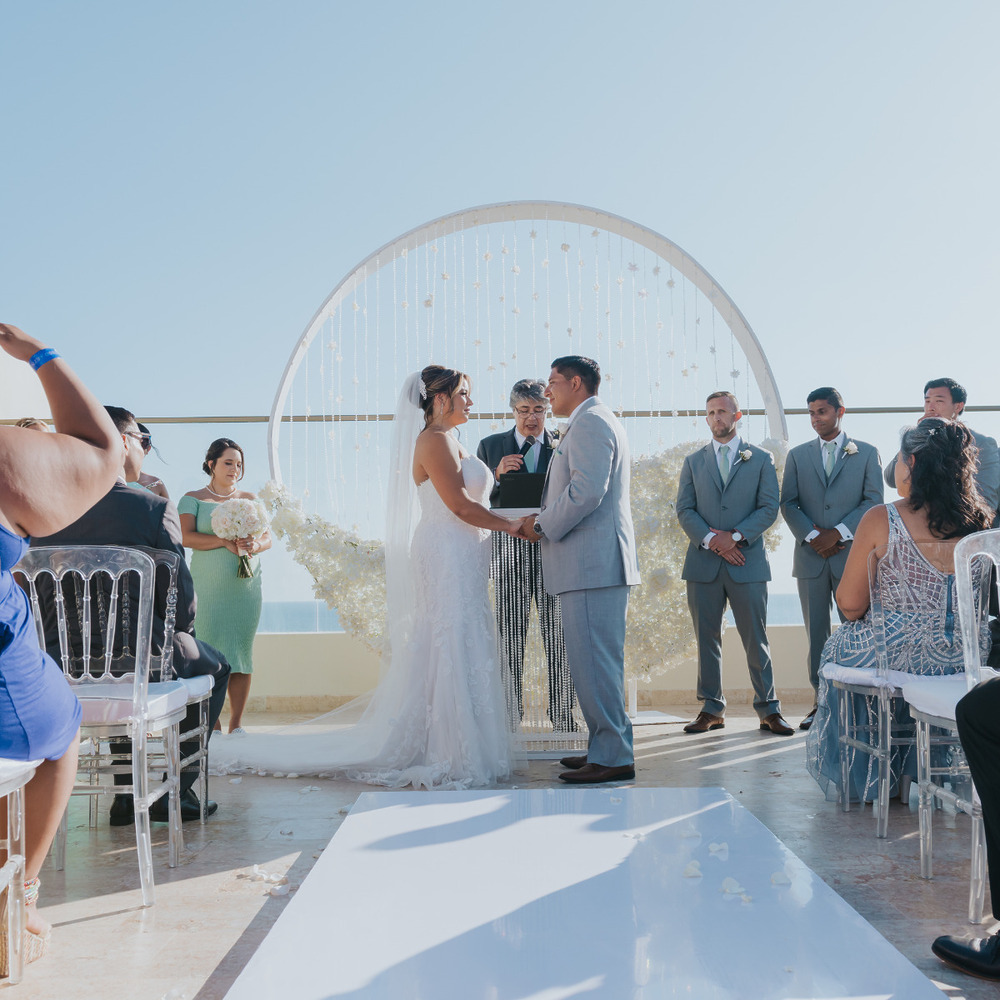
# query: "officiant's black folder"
521,489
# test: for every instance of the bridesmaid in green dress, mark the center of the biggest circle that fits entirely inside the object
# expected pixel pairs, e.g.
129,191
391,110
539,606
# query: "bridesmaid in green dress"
228,606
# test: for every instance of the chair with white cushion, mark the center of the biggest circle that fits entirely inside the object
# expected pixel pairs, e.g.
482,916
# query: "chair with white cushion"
14,775
932,702
199,688
100,599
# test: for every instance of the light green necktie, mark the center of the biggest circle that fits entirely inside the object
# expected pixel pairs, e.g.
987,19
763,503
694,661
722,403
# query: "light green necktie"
831,447
529,459
724,463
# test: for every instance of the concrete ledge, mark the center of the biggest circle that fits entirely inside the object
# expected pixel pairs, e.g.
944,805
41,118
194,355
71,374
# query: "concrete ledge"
316,672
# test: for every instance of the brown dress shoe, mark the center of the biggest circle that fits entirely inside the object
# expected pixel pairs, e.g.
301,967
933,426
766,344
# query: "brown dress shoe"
808,720
777,725
705,723
574,763
591,774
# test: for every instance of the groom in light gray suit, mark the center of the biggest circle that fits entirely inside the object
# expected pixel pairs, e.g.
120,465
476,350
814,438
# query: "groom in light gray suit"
589,560
828,484
726,499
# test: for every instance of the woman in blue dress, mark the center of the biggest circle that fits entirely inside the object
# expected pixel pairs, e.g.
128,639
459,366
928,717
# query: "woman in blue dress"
935,475
47,481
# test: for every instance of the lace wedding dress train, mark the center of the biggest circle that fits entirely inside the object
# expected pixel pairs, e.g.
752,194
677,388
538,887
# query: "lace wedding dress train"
438,717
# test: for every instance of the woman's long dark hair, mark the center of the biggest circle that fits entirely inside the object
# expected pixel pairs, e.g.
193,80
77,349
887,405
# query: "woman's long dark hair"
943,477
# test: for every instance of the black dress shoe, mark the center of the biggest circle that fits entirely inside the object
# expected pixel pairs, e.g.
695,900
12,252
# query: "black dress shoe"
978,957
808,720
159,811
776,724
574,763
122,811
592,774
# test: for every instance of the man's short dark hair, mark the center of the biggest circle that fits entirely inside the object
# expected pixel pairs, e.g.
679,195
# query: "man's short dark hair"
826,394
958,393
576,364
122,419
724,394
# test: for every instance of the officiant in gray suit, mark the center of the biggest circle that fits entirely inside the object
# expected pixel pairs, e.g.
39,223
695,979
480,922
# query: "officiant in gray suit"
828,484
516,565
589,560
727,498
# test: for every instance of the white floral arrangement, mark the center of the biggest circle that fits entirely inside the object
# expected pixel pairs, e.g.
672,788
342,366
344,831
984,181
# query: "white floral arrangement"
240,518
349,572
850,448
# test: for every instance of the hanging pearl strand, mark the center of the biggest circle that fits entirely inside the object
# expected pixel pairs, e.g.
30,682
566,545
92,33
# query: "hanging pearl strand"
221,496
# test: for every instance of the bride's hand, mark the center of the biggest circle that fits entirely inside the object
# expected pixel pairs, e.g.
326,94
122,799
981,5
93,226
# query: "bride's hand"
513,528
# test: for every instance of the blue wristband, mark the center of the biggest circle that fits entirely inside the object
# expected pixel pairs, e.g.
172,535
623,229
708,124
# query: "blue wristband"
39,358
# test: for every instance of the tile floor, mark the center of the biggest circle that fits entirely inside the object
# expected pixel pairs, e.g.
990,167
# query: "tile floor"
212,912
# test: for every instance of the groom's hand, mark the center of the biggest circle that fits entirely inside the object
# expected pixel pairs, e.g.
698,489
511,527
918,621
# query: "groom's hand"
722,544
527,531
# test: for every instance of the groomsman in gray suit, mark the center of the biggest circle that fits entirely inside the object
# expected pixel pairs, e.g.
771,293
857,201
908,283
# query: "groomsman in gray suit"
945,398
828,484
589,560
726,499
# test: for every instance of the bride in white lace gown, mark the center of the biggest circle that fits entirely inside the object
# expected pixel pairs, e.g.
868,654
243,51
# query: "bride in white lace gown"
438,717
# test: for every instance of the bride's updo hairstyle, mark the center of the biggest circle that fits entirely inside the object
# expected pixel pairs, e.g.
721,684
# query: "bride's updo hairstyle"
437,380
943,477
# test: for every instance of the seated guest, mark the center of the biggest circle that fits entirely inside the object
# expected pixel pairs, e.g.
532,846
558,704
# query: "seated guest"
978,718
45,482
145,480
516,565
935,473
130,516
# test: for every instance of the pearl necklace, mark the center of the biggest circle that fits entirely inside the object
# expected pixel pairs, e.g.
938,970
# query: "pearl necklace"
221,496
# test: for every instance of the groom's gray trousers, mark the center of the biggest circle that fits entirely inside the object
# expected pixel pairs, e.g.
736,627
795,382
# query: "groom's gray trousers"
594,627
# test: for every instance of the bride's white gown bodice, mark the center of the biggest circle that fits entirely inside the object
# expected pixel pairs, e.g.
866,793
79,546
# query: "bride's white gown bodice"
438,717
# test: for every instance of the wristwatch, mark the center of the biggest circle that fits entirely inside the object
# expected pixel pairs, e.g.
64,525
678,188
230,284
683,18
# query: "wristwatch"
737,536
537,529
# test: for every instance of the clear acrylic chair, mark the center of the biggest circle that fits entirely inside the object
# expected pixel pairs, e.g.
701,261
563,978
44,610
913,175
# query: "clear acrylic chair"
98,600
932,702
199,689
14,775
909,614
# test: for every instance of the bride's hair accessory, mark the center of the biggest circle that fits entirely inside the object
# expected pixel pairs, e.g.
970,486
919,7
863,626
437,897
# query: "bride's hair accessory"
422,388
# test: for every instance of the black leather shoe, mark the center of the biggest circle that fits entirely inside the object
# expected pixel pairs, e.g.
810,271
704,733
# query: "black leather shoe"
592,774
574,763
190,808
122,811
776,724
808,720
978,957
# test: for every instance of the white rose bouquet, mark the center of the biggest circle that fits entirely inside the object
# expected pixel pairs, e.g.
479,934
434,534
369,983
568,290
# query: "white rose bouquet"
236,519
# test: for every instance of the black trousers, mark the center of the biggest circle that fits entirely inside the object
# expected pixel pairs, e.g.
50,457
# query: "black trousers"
978,717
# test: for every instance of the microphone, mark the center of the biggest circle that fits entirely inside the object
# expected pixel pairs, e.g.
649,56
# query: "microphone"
528,442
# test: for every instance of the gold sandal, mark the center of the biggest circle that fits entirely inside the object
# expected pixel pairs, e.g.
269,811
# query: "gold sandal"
33,945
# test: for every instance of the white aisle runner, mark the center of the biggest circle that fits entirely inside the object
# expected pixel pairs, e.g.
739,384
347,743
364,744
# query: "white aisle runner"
566,892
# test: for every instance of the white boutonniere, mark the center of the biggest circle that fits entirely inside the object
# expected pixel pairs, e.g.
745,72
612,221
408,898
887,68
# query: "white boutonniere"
746,455
558,433
850,448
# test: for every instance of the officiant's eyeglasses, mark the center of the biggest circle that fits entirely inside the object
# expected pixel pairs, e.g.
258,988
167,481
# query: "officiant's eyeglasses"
527,411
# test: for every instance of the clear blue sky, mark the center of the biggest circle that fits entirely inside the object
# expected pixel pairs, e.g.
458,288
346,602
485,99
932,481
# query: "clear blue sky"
184,183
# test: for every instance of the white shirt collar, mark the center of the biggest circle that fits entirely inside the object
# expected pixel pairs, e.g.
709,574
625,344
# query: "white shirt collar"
839,440
520,438
732,444
576,410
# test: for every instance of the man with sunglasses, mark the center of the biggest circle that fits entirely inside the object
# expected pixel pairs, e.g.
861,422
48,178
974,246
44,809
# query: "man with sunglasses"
517,564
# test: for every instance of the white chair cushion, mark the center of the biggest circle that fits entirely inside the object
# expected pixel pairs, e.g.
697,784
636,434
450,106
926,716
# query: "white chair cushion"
936,696
108,702
939,695
197,687
15,773
864,676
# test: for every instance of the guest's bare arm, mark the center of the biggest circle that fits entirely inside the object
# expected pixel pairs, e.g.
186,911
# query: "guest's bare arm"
437,458
47,481
202,540
853,595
